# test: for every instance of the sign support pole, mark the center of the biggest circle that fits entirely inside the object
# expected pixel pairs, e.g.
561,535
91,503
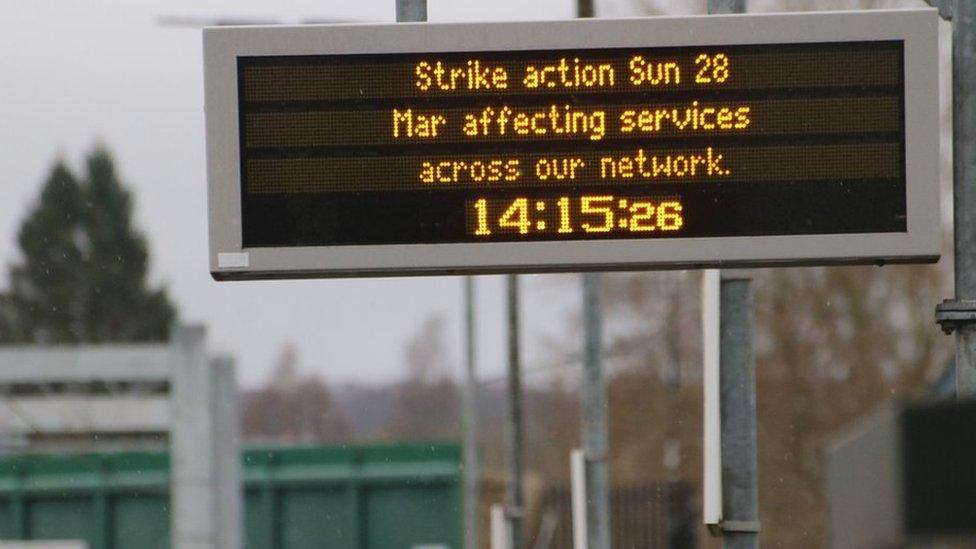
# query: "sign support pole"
411,11
595,470
515,511
726,6
470,420
584,8
959,315
737,388
594,393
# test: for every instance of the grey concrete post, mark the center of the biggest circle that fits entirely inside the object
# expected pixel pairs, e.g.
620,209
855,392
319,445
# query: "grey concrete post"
192,483
594,393
469,419
737,382
227,454
205,462
515,506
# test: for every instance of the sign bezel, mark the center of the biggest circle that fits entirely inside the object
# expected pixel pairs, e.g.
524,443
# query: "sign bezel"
921,243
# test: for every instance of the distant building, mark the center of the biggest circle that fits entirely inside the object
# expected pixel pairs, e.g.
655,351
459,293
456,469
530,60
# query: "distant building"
85,398
116,397
905,476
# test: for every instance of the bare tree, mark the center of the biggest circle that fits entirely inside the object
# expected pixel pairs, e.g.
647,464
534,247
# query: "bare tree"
427,399
291,407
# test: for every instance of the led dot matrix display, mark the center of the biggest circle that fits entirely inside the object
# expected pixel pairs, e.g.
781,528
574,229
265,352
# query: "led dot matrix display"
588,144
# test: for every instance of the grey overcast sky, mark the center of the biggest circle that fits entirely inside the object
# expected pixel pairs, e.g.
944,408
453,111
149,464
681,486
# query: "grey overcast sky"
75,73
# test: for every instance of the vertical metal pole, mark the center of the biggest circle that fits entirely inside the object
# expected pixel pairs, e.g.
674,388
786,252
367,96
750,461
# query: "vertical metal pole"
595,418
594,395
515,511
964,188
411,11
726,6
737,381
737,393
584,8
470,421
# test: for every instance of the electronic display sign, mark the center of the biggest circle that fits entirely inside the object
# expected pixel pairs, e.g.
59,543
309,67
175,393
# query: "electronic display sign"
499,148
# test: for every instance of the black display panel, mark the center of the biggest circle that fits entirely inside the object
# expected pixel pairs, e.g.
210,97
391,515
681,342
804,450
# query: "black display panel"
622,143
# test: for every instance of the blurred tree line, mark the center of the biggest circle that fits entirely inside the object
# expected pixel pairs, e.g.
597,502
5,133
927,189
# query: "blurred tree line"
82,276
833,345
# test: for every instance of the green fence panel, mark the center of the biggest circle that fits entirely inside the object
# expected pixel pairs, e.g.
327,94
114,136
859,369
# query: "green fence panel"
6,521
412,516
258,519
140,521
373,497
313,518
61,517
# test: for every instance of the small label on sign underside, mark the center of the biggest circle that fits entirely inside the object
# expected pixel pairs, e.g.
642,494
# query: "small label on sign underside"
232,260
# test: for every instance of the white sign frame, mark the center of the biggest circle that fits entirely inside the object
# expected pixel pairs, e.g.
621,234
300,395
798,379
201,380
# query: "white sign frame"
918,28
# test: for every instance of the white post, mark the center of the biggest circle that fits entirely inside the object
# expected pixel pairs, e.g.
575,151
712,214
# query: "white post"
712,447
500,537
192,483
577,475
205,463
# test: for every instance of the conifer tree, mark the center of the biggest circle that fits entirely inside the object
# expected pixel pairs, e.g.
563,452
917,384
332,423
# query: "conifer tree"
43,303
82,277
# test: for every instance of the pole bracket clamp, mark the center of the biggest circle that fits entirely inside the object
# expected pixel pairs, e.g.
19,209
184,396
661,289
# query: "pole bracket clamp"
751,526
952,313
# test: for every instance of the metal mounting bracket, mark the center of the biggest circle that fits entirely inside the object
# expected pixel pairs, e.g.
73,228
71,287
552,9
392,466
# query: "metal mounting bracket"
954,312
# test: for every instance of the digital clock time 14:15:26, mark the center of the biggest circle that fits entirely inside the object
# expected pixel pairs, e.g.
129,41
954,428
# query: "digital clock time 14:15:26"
585,215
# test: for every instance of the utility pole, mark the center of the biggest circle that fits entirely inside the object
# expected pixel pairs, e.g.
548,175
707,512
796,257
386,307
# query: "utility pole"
515,511
737,382
594,393
959,314
470,420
